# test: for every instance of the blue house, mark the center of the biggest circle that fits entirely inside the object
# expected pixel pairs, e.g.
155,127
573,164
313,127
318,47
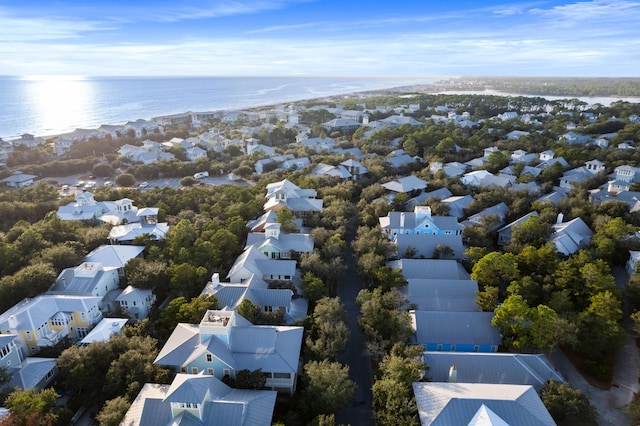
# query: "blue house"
455,331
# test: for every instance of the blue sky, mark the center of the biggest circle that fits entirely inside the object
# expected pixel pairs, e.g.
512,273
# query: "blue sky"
307,37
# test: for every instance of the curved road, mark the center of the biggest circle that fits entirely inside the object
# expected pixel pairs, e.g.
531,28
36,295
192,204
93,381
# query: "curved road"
359,412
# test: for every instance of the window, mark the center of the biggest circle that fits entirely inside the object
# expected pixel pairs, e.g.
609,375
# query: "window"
226,372
28,335
281,375
439,347
194,370
476,348
268,308
209,358
453,348
183,369
210,371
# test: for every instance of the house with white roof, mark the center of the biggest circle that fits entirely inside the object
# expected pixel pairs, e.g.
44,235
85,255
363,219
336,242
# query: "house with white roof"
136,302
492,368
114,256
546,155
397,161
411,185
224,343
479,404
85,208
46,319
455,331
194,153
87,279
28,140
143,127
516,134
581,174
280,245
457,204
301,202
254,262
148,225
341,125
104,330
318,144
200,400
571,236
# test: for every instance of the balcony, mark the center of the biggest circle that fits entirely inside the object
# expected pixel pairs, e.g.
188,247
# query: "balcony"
52,338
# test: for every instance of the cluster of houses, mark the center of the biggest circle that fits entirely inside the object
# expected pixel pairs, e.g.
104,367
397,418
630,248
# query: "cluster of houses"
85,303
224,342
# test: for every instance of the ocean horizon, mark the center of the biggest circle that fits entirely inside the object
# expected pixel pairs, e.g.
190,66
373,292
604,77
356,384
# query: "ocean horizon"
46,106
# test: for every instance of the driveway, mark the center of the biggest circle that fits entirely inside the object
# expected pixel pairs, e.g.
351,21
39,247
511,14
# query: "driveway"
611,403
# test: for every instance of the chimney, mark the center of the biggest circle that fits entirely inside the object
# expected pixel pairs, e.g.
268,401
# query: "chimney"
560,218
402,220
13,323
453,374
215,280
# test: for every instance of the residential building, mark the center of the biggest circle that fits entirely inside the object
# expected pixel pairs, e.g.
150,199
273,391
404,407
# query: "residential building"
498,212
410,185
117,256
280,245
200,400
47,319
455,331
104,330
224,343
19,180
301,202
445,269
254,262
632,263
87,279
456,295
148,225
493,368
571,236
479,404
504,233
136,303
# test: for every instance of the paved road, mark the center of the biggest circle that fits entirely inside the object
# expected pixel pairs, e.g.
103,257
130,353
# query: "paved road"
358,413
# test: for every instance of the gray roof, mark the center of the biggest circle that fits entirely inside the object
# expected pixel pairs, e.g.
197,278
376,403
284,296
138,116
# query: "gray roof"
442,294
272,348
114,255
32,313
444,327
497,368
300,243
425,244
226,406
430,268
32,371
405,184
460,403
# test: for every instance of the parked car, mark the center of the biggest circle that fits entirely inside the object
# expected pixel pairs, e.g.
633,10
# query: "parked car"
143,184
201,175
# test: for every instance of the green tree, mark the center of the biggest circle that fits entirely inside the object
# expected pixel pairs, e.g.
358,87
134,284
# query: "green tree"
113,411
382,320
247,379
147,274
496,270
564,402
328,335
287,220
32,404
313,287
250,311
125,180
328,387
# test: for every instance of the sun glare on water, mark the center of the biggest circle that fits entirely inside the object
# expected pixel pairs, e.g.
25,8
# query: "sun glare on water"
59,102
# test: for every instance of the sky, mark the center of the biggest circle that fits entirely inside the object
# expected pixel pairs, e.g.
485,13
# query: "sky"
597,38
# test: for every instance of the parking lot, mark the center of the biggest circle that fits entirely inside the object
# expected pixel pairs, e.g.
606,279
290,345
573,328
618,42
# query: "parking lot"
79,182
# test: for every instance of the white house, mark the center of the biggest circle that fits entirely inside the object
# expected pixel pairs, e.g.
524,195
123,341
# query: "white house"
136,302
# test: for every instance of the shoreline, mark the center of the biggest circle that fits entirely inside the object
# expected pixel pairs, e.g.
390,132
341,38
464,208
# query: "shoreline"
428,88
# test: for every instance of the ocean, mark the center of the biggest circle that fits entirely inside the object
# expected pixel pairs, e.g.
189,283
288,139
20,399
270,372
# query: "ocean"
46,106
